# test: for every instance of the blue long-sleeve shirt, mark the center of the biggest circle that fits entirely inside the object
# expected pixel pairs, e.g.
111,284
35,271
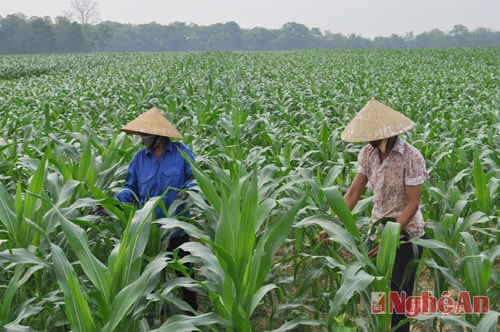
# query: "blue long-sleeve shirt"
148,177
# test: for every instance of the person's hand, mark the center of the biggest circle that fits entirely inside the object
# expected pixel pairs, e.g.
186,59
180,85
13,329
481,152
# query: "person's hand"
373,251
323,235
98,210
182,195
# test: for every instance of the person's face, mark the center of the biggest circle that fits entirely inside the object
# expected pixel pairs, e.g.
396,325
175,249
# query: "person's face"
148,140
376,144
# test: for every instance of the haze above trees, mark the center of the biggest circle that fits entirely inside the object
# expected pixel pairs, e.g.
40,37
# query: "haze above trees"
78,31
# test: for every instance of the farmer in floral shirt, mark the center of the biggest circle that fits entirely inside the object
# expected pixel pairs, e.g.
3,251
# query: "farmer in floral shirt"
395,170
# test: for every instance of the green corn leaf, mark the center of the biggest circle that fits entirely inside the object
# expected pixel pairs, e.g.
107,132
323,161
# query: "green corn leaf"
21,229
86,171
192,230
493,253
7,212
438,246
79,313
354,279
246,232
23,256
227,262
445,272
482,193
130,295
126,266
259,294
206,185
95,270
77,308
211,267
279,228
474,267
275,234
67,192
339,206
10,291
387,250
489,322
228,225
340,235
183,323
111,204
293,325
35,187
62,166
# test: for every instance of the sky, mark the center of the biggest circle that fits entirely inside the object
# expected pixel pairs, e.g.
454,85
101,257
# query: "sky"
368,18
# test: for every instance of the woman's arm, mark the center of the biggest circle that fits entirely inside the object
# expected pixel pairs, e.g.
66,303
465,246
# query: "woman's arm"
412,205
351,197
355,190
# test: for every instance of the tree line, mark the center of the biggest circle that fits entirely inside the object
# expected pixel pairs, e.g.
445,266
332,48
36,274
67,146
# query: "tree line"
22,35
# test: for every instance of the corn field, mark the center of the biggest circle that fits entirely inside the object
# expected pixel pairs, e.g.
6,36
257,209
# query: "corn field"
270,170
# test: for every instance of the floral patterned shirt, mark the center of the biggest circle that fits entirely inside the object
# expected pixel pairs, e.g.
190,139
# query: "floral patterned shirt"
405,166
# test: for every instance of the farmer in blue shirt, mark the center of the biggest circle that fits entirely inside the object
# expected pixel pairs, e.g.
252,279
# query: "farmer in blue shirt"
159,170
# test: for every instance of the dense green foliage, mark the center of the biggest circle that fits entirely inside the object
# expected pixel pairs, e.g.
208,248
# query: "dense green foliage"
265,129
35,35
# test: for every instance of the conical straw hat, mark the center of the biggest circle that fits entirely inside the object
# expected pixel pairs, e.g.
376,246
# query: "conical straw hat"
152,122
376,121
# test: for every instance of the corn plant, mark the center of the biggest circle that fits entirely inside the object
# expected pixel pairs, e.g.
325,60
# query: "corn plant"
361,275
250,225
278,113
